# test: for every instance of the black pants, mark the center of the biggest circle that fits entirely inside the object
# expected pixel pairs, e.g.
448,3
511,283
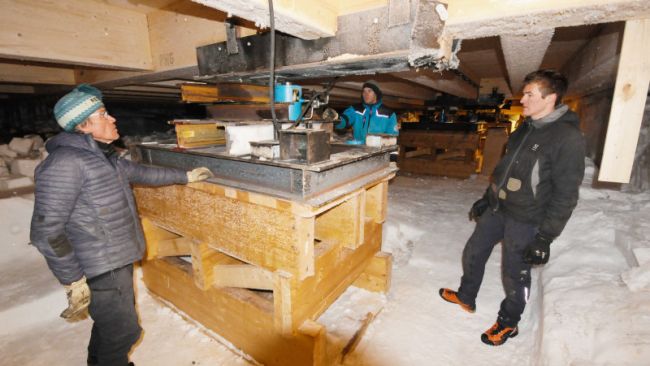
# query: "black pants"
492,228
116,327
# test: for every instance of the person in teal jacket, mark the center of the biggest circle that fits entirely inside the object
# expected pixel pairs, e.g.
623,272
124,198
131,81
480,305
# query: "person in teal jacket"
369,116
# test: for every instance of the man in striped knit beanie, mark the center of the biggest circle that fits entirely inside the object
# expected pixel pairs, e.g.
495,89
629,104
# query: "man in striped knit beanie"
86,225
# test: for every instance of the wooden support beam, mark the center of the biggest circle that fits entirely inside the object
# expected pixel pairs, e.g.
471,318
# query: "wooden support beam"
304,245
227,92
173,247
90,33
377,202
344,223
175,32
14,73
154,234
282,310
478,18
303,19
204,260
242,276
376,277
446,82
594,67
628,104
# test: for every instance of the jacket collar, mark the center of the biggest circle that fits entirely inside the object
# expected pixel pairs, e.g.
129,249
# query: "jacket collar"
551,117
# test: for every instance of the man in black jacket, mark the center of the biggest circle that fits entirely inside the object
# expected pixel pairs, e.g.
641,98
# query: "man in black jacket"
86,225
532,193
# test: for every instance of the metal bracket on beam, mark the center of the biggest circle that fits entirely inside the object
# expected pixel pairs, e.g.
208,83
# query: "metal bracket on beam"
231,40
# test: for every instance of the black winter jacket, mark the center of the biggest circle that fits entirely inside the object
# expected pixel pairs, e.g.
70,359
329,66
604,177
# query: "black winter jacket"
538,179
85,220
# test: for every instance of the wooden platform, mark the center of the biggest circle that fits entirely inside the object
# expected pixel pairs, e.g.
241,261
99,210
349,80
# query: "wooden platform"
259,270
448,153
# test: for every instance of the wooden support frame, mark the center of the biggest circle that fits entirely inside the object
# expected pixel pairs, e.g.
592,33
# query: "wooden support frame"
215,288
628,104
457,158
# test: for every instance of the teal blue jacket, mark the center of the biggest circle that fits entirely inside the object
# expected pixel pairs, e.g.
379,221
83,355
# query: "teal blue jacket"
365,119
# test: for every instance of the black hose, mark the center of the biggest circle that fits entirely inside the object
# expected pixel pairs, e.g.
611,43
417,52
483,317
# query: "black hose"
329,87
272,73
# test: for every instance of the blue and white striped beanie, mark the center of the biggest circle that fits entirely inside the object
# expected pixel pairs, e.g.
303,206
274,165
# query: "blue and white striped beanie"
74,107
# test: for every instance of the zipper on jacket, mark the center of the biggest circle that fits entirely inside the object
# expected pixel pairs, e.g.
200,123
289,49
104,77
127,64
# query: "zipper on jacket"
512,161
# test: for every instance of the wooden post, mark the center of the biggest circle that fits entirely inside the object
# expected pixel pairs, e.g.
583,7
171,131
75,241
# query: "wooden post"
628,104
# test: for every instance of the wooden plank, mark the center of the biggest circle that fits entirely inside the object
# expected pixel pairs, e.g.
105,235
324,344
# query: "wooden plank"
204,260
177,30
242,317
377,275
439,139
443,168
343,223
154,235
282,304
174,247
337,267
242,276
36,74
272,238
377,202
247,112
198,135
74,32
628,103
227,92
302,19
419,151
304,245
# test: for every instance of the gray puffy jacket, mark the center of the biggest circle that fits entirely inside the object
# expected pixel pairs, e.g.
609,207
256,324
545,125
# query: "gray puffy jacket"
85,220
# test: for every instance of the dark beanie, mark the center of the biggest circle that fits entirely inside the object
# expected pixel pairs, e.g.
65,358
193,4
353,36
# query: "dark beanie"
74,107
373,85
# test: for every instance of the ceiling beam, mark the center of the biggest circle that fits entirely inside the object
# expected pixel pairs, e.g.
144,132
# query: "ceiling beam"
594,66
26,74
89,33
306,19
364,44
523,53
479,18
175,33
447,82
628,104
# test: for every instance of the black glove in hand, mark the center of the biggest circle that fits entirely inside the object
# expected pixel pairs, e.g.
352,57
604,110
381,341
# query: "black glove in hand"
538,251
478,208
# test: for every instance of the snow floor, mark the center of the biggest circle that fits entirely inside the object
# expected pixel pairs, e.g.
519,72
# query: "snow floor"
590,305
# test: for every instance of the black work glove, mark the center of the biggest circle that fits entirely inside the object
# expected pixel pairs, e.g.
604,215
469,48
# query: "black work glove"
478,208
538,251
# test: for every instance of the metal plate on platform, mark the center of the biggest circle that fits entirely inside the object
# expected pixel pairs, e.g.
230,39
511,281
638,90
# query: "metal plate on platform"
348,167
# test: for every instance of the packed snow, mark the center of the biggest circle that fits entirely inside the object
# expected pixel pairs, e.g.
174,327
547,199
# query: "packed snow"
590,305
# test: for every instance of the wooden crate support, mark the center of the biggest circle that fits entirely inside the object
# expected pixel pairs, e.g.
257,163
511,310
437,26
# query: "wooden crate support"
376,277
242,276
345,222
449,153
308,256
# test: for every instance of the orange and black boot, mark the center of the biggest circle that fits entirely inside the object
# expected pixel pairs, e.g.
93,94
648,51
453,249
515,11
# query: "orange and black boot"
499,334
452,296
